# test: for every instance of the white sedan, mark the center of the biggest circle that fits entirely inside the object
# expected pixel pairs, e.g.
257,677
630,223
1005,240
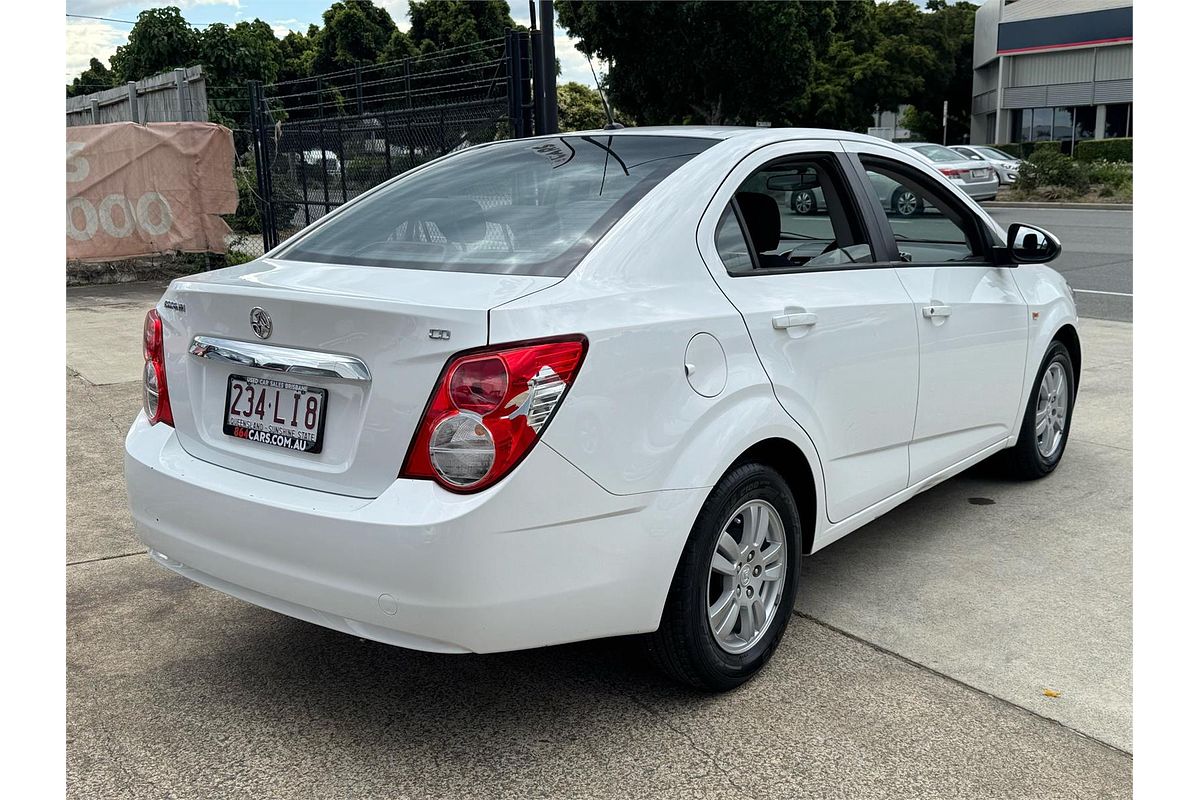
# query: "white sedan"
587,385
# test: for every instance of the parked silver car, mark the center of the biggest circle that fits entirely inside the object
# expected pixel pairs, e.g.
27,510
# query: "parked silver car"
977,179
1005,164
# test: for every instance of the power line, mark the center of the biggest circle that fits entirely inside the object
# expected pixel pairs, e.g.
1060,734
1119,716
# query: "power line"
103,19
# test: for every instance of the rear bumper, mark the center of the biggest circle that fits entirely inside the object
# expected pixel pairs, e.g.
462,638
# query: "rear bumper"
983,190
544,557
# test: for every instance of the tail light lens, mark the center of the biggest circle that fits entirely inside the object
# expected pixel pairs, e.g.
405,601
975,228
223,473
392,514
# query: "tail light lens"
489,408
954,173
155,399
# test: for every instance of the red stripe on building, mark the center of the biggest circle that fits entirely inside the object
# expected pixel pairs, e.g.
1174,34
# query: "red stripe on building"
1062,46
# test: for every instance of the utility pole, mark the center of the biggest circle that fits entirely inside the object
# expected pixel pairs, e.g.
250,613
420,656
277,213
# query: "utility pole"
945,119
549,79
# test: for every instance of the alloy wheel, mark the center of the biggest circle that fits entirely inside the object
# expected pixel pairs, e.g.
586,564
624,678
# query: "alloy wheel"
1052,408
906,203
747,575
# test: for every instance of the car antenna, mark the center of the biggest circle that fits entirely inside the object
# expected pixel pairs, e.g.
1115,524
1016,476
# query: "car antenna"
612,124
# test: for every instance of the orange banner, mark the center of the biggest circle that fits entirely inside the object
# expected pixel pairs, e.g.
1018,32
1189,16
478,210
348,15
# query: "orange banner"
136,190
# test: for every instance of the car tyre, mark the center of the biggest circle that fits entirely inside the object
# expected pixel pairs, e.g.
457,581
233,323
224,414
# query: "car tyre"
804,202
685,646
906,202
1047,420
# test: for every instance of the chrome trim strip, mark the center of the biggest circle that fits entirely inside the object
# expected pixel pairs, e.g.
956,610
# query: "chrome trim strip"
280,359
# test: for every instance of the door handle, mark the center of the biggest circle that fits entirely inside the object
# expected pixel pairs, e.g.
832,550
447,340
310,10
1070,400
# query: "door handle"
932,311
785,321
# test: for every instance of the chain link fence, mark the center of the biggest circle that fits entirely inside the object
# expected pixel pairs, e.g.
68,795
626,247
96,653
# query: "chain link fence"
304,147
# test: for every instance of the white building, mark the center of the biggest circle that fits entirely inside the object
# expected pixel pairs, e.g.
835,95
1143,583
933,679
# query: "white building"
1052,70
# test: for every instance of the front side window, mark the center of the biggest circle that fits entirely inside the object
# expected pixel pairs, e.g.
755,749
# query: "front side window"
928,227
792,214
525,207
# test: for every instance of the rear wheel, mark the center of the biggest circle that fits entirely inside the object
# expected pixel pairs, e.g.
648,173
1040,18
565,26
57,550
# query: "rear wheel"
733,591
1047,421
804,202
906,203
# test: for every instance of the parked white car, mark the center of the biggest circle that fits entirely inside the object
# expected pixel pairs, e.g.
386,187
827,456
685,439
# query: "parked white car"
319,161
977,178
1006,165
587,385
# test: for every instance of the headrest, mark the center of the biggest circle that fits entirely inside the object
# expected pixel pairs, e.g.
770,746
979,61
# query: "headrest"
459,219
761,214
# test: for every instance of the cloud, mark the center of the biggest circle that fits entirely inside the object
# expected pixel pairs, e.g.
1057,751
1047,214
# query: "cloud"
282,27
88,39
398,9
574,63
105,8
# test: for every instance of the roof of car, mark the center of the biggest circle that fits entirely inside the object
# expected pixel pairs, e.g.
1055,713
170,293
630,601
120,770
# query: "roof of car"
726,132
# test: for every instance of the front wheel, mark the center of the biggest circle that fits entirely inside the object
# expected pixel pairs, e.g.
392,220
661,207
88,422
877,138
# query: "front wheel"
1047,421
733,591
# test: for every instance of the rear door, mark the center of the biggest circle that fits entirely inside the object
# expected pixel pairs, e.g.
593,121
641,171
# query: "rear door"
973,321
831,322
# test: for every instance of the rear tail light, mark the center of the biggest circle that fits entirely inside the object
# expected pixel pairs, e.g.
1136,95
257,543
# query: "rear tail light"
954,173
489,408
155,399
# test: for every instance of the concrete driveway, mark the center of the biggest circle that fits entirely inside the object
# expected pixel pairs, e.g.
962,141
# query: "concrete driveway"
917,664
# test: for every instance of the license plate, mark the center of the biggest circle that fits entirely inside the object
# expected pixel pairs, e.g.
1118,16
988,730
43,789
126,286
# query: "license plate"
275,412
979,173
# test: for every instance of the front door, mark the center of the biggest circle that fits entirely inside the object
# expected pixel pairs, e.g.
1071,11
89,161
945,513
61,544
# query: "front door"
973,322
834,328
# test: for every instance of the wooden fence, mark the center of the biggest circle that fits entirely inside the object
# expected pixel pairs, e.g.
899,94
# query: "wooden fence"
177,96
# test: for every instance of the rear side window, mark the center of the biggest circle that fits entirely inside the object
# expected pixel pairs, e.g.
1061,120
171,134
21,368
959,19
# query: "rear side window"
937,153
523,207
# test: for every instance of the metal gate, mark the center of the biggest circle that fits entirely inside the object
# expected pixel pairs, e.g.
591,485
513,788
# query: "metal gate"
318,142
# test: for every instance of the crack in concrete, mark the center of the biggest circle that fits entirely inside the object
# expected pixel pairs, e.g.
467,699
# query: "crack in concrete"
960,682
696,748
104,558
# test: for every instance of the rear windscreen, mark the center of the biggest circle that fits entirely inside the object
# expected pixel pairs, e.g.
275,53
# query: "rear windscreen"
526,207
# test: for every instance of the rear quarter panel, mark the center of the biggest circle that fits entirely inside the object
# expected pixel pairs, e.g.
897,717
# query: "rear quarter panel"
632,421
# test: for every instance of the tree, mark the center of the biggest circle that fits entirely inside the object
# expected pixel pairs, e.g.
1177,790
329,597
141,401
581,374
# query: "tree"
160,40
579,108
442,24
354,31
297,54
694,61
96,78
821,64
247,51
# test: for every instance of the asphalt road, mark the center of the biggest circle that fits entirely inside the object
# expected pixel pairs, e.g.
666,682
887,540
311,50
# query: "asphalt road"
973,643
1097,257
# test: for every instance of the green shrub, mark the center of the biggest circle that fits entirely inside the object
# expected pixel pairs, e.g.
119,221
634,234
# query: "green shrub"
1105,150
1112,174
367,170
1047,166
1023,149
246,217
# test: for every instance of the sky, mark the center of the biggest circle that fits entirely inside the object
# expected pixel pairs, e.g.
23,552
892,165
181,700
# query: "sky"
87,38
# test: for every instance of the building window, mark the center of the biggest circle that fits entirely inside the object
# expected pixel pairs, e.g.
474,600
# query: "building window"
1064,124
1118,120
1043,124
1085,122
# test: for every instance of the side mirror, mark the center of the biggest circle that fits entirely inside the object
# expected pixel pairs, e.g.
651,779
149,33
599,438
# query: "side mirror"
1028,244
